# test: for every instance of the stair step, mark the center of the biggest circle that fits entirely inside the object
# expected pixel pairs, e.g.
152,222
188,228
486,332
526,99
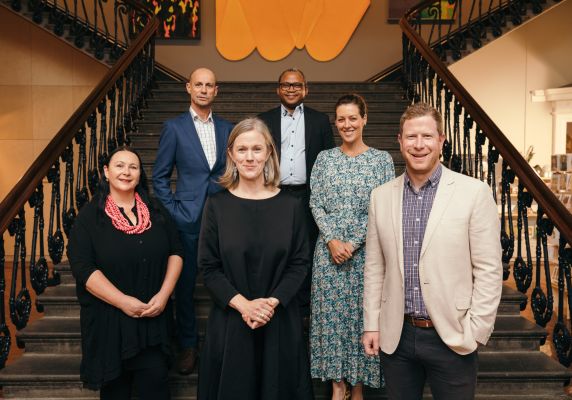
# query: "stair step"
234,116
511,301
248,106
33,375
270,87
61,335
61,300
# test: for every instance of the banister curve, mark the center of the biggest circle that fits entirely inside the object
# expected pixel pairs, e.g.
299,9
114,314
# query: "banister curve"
22,191
553,207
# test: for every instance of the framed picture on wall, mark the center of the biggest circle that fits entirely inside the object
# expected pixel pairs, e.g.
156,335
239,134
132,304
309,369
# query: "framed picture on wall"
444,9
179,20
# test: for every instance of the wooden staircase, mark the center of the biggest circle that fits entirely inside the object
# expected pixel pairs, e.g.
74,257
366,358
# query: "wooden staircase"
511,367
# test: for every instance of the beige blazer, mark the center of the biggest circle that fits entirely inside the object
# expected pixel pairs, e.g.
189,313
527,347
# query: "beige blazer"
460,267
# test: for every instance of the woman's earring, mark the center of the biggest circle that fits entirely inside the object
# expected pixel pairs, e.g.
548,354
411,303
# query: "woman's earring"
265,171
234,173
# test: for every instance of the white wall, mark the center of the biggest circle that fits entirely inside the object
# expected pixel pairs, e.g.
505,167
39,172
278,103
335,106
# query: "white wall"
501,75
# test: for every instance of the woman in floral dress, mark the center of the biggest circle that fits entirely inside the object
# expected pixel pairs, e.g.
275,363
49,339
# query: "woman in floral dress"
341,182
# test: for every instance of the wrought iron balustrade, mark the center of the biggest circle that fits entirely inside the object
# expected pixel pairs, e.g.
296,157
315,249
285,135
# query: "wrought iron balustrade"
449,26
476,147
98,26
66,173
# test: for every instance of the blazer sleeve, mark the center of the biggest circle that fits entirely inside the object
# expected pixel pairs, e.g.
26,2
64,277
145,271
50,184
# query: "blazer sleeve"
484,227
163,168
298,259
319,199
374,271
209,259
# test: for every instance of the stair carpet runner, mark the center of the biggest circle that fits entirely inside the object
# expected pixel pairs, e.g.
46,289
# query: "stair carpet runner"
511,366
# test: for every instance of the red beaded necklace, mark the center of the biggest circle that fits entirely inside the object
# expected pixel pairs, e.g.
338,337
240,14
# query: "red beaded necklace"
120,222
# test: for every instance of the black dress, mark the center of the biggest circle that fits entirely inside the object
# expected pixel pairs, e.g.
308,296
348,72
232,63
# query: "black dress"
257,248
136,265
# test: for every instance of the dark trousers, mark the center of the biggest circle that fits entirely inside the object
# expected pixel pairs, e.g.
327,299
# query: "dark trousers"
304,292
147,372
421,355
184,294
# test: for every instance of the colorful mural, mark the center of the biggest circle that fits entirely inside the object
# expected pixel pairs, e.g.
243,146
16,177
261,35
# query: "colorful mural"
180,19
276,27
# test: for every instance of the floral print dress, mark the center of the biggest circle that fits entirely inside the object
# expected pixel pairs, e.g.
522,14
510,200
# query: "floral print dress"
340,190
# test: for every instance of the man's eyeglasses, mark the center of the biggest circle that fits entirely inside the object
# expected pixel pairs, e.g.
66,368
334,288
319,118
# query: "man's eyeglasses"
291,86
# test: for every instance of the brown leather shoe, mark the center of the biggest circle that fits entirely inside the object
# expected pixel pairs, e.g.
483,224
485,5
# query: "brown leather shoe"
187,361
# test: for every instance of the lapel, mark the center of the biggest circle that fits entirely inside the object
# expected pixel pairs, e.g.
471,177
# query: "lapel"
191,133
440,204
397,218
307,130
276,130
220,142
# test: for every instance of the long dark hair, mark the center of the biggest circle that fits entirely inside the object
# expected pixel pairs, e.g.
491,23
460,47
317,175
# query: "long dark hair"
142,187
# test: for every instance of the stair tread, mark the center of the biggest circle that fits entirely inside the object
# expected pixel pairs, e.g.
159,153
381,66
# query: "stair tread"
516,366
505,326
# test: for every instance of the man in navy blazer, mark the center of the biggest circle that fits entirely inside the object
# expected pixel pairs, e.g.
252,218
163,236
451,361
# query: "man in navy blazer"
195,144
300,133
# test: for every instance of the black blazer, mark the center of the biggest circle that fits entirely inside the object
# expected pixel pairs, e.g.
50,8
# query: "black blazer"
318,133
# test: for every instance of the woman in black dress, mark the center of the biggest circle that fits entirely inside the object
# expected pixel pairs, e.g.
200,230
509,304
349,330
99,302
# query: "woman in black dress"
126,257
253,254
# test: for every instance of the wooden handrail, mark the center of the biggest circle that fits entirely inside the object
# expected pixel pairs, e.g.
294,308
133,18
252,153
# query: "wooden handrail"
22,191
553,207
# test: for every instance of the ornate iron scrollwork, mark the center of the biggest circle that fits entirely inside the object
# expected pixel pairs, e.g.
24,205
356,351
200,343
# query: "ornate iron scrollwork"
507,240
20,303
69,214
542,304
5,337
561,336
39,266
81,193
55,236
522,269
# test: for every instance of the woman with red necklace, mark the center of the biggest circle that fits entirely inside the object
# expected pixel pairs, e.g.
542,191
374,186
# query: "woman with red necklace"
126,258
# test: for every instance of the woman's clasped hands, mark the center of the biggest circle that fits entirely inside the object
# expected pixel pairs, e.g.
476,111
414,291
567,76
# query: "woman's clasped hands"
259,312
340,251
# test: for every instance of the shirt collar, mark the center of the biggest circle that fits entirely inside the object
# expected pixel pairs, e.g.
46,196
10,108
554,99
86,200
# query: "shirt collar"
196,117
299,109
433,179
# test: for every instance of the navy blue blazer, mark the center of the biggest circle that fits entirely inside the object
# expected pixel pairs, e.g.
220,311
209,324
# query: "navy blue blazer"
180,147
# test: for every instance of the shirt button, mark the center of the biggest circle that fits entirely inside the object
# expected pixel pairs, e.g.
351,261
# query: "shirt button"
291,145
140,242
415,242
144,260
292,131
417,219
420,197
415,288
414,265
291,159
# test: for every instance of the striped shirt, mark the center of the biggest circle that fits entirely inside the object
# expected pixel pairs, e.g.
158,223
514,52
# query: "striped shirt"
416,209
206,132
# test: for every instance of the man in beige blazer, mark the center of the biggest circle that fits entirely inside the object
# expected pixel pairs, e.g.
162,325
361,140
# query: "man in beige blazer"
433,272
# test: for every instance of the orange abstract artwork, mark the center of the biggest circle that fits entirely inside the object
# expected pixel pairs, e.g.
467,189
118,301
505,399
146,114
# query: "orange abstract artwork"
276,27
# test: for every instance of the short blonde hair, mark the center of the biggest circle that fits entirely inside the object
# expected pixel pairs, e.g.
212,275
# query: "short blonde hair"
229,180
